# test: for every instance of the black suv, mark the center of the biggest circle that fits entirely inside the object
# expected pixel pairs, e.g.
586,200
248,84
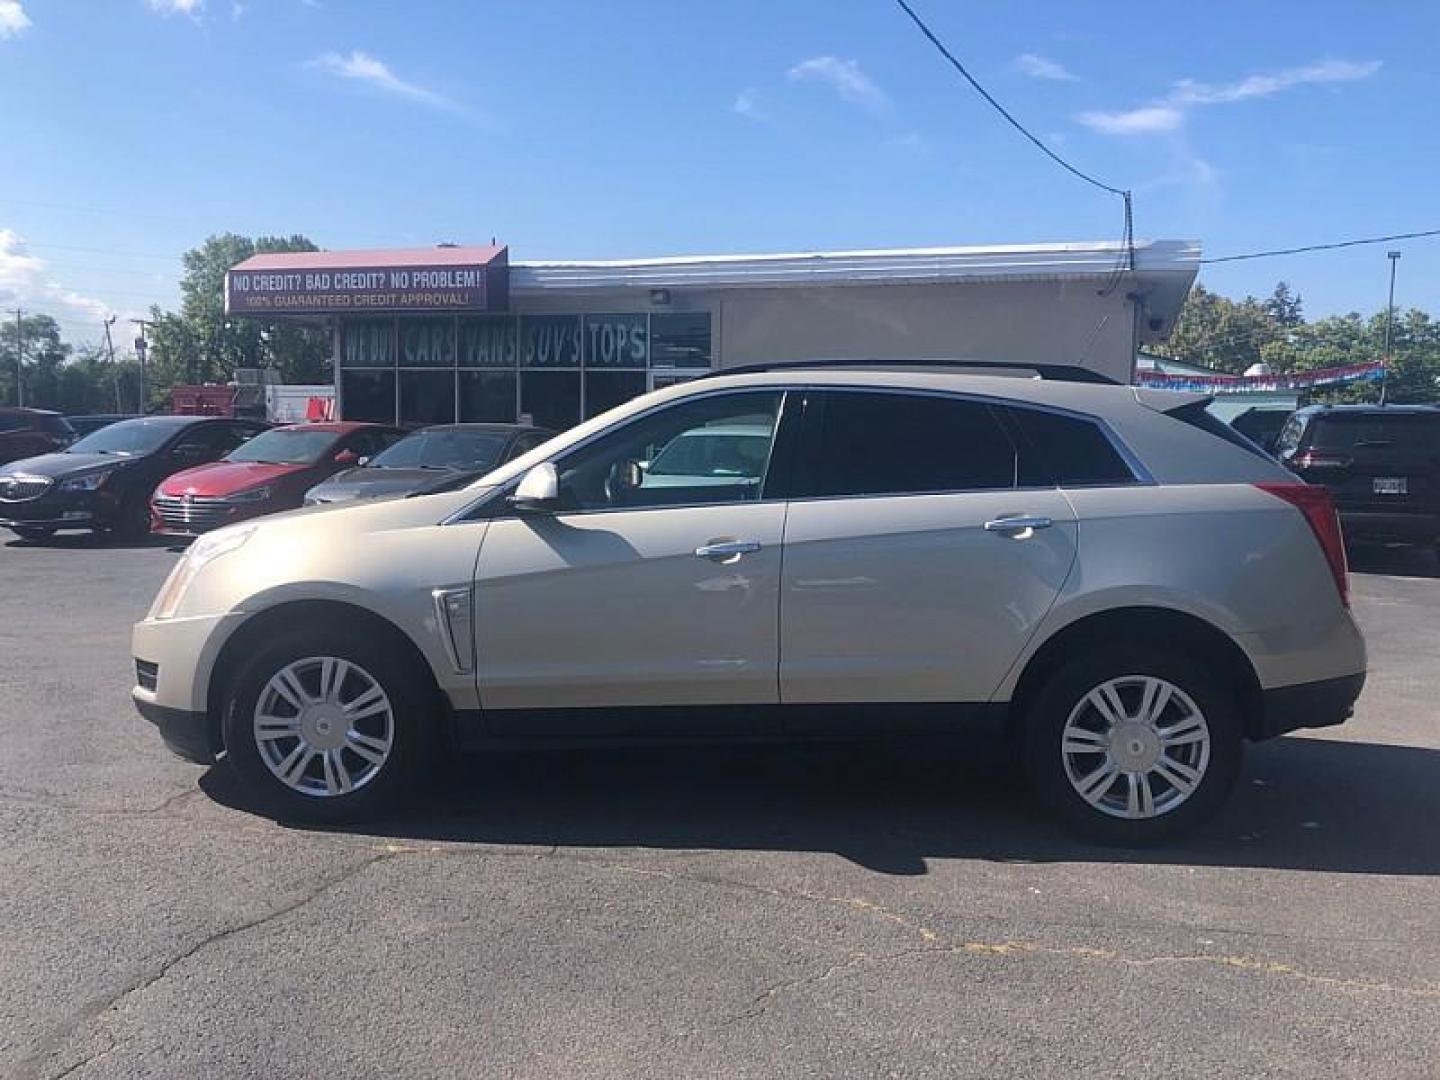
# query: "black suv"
1381,463
103,482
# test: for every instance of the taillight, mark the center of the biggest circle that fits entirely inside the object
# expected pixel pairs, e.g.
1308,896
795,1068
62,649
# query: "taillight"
1319,510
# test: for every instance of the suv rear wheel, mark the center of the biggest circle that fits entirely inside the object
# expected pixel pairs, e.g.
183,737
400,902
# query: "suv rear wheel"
1133,746
327,726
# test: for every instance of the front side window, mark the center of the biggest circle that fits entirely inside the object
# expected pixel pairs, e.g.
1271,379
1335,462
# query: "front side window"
878,443
708,450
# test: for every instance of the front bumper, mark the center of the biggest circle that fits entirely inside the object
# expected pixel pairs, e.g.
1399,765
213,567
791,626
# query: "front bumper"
191,735
58,510
1307,705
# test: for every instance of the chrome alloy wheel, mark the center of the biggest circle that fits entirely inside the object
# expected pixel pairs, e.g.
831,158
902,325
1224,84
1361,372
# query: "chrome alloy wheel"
324,726
1136,747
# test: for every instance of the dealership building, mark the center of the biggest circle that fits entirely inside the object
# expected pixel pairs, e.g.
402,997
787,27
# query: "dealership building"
452,333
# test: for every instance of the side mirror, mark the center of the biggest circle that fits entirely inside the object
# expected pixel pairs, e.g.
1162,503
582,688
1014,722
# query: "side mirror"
348,457
538,491
363,461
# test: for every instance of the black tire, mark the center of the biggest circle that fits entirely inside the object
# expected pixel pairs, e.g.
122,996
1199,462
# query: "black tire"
32,533
1064,692
413,712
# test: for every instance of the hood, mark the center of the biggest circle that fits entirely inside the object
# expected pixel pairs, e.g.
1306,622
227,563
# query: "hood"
225,478
58,465
374,483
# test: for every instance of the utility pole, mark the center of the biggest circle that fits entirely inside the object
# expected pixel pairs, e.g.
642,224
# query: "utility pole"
19,355
114,373
1394,257
141,347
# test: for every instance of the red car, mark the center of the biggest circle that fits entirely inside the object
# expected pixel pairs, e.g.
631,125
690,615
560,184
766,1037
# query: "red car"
268,474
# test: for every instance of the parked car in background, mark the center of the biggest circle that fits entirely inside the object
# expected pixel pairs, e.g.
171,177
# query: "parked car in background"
269,473
28,433
85,425
432,459
1380,462
1126,582
103,481
1262,426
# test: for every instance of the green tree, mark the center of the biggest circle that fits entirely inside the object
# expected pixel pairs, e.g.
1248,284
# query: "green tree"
42,351
199,344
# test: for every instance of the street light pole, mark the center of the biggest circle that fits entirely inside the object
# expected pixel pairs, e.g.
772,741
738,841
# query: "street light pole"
1394,257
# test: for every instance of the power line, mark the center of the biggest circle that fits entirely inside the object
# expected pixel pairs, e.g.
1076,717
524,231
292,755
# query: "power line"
958,66
1323,247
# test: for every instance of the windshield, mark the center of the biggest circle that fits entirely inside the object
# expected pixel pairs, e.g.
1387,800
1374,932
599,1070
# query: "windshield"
128,438
286,446
444,450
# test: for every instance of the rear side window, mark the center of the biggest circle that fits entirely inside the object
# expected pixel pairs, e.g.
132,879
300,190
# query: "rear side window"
860,443
1065,451
1197,415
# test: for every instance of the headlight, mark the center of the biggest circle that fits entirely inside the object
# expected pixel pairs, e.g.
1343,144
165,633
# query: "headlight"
259,494
86,482
204,550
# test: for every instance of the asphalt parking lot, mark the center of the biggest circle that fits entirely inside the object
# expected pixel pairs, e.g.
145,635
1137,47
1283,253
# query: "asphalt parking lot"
751,911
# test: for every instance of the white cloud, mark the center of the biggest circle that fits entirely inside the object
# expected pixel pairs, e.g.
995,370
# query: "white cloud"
1040,67
191,8
1168,113
12,18
1189,92
845,78
362,67
749,105
1148,118
25,281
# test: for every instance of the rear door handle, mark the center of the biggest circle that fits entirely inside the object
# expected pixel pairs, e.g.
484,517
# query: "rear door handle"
1018,524
727,550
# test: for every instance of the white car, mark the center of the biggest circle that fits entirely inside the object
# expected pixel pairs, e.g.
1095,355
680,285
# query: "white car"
1132,587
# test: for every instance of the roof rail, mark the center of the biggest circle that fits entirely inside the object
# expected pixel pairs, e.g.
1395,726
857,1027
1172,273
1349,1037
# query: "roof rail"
1073,373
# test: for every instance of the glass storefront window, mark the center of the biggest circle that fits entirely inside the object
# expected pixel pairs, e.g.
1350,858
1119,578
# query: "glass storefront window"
616,341
427,397
369,343
488,342
427,343
606,389
550,341
552,398
368,395
680,339
487,397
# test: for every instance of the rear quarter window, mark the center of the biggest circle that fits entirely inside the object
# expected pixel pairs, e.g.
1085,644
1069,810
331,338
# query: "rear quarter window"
1066,451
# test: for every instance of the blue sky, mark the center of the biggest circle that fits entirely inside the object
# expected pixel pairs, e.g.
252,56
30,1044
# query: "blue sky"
133,128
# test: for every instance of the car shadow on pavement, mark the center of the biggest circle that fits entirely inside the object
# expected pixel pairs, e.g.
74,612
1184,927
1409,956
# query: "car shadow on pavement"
1301,804
1401,560
84,541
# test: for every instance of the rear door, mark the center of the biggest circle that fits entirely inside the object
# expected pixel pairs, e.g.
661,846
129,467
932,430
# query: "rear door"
916,565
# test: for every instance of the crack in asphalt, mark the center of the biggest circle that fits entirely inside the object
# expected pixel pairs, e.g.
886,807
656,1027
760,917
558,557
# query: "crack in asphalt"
48,800
48,1046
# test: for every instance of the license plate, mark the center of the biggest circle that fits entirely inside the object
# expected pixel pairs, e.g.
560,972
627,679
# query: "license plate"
1391,485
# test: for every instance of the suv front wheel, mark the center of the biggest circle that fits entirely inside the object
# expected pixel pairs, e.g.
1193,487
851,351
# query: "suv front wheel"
327,726
1133,746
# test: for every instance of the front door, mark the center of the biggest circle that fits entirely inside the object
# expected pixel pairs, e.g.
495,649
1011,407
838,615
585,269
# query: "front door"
916,567
656,582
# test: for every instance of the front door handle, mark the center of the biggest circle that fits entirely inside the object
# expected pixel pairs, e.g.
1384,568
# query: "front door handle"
1019,526
727,550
